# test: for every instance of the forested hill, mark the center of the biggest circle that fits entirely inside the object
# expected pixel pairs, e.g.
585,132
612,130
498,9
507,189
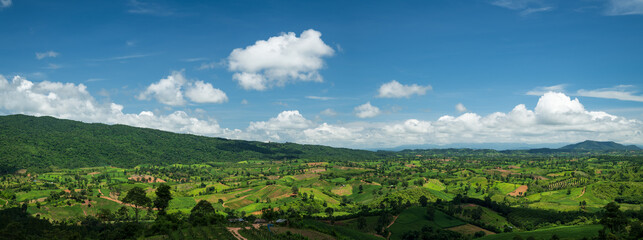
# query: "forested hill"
599,146
40,142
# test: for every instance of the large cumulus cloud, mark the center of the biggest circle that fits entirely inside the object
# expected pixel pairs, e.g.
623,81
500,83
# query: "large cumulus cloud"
280,59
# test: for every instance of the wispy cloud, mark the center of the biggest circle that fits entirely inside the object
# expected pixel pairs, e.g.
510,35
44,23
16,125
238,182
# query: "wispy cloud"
122,57
94,80
199,59
535,10
526,7
620,92
147,8
539,91
210,65
5,3
624,7
320,98
53,66
41,55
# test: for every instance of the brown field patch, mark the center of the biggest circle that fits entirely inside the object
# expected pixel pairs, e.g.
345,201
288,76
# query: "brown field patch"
520,191
316,163
316,170
370,183
469,229
21,171
93,173
145,178
541,178
273,177
349,168
503,172
513,167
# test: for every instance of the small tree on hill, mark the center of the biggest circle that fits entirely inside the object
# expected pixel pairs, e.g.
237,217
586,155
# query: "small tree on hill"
136,196
202,213
614,219
423,201
163,197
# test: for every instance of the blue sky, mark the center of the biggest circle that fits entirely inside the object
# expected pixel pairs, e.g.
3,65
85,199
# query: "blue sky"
362,74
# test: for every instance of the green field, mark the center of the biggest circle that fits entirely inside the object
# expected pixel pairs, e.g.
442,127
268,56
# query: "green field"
415,218
563,232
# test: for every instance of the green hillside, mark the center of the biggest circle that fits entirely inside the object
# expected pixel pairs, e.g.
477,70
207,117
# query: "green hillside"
38,143
599,146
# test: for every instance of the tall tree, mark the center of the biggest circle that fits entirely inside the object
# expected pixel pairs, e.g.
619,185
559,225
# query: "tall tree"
202,213
163,197
613,218
136,196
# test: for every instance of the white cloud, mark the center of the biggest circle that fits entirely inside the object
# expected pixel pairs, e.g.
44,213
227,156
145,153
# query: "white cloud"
515,4
52,66
329,112
244,102
279,60
525,7
320,98
201,92
5,3
539,91
535,10
621,92
460,107
394,89
147,8
41,55
71,101
118,58
624,7
205,66
366,110
169,91
557,118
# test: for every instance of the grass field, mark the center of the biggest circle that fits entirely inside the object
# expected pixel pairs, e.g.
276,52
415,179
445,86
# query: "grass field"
414,218
34,194
488,216
319,195
563,232
182,203
434,184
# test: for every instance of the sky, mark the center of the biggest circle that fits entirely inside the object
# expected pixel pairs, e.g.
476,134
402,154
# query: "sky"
356,74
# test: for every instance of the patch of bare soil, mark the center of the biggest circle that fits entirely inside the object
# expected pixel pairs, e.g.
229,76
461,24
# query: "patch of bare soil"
235,233
520,191
146,178
316,163
469,229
